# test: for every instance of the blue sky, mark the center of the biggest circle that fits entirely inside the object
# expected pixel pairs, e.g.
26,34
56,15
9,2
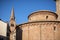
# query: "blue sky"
22,8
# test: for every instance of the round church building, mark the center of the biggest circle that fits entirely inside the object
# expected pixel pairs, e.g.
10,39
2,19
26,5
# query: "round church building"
42,16
41,25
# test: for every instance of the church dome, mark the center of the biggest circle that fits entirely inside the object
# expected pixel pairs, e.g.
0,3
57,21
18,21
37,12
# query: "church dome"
42,16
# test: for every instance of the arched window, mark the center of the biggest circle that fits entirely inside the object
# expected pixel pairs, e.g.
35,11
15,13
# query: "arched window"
12,25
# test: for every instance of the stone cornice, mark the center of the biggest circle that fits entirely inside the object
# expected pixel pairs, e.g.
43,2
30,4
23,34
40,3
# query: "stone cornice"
40,23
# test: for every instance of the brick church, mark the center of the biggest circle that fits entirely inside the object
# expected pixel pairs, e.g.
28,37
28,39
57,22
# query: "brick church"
41,25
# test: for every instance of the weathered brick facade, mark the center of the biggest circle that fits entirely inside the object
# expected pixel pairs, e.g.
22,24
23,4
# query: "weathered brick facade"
41,30
47,30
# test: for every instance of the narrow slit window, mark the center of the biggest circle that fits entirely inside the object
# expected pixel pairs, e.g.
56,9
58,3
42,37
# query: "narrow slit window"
46,17
54,28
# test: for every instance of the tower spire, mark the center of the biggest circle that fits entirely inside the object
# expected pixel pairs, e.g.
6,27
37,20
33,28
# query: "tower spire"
12,21
12,25
12,14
